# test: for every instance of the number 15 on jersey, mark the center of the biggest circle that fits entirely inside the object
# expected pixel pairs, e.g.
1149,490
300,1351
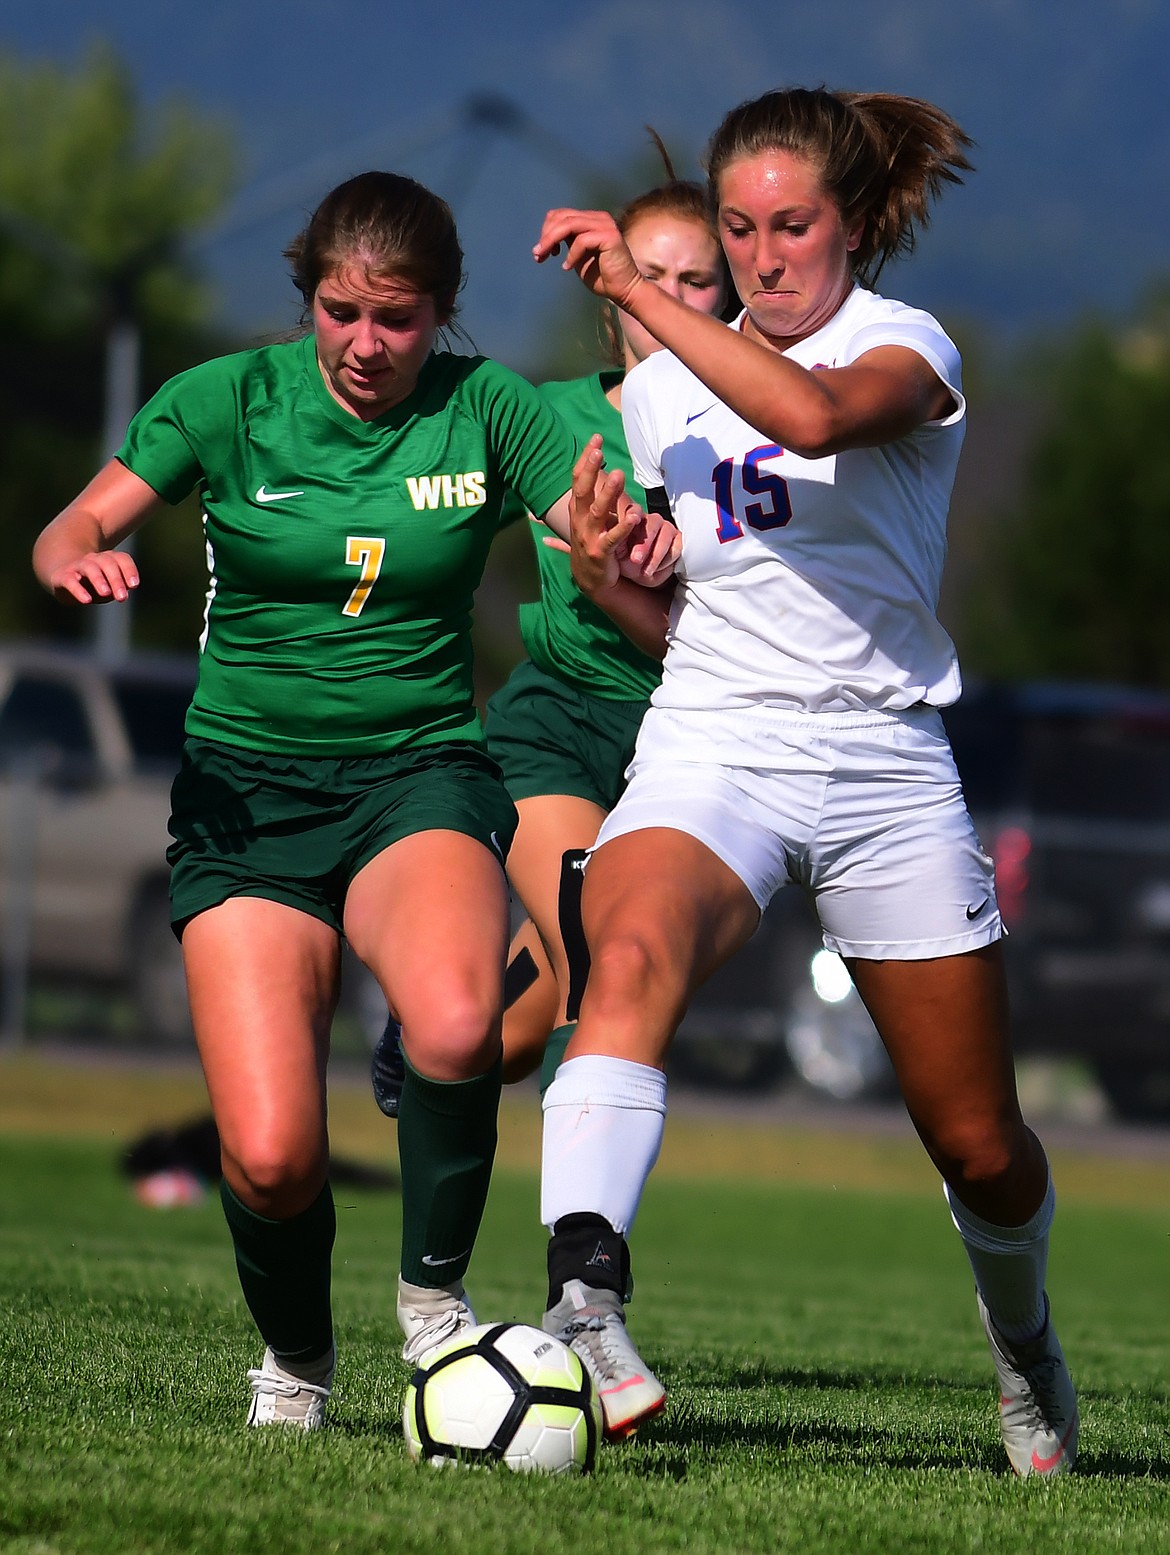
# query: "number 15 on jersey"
771,513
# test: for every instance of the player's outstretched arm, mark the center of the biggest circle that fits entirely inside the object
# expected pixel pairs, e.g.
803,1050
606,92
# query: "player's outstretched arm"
76,557
875,400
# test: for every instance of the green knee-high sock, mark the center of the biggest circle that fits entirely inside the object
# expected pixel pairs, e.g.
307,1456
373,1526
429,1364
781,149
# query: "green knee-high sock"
284,1268
446,1146
554,1054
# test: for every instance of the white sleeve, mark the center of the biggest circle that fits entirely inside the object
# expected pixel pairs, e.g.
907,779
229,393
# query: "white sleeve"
920,333
637,422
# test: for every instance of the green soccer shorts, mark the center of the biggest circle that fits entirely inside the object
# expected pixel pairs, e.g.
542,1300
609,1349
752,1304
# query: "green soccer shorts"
297,829
549,737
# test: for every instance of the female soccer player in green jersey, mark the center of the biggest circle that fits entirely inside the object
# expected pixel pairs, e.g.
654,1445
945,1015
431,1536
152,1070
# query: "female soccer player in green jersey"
334,778
564,725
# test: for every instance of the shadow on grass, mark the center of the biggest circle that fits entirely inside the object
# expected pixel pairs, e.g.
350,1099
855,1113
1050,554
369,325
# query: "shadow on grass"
681,1438
824,1379
686,1433
676,1443
802,1378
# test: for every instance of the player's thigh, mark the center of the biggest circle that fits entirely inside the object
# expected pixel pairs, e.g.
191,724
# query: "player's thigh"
673,898
429,917
550,825
262,979
944,1024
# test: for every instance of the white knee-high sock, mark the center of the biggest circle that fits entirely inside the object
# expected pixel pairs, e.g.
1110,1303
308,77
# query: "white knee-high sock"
603,1123
1009,1264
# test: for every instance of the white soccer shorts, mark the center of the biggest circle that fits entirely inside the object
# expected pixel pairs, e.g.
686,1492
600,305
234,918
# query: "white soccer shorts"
864,810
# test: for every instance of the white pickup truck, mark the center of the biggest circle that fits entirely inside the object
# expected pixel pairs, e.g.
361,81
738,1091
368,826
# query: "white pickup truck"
87,755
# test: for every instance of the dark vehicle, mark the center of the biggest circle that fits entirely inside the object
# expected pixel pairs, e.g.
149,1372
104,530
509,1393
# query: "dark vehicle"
1069,786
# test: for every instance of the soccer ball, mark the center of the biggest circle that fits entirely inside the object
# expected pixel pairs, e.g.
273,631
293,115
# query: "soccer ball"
504,1393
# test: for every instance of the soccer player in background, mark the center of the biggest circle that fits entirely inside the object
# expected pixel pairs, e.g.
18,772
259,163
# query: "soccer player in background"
334,778
563,726
807,455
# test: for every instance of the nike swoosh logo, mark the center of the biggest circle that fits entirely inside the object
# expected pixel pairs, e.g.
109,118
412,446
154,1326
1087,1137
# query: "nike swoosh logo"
496,844
973,912
1046,1465
699,413
264,495
437,1263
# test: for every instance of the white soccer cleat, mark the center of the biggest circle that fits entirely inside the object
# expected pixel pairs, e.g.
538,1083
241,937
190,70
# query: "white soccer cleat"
430,1315
279,1398
1037,1400
591,1322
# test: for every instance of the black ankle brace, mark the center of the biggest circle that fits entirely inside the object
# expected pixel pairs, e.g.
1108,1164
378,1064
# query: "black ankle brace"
587,1248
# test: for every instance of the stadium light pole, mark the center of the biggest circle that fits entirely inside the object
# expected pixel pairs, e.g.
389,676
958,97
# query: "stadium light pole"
479,114
113,624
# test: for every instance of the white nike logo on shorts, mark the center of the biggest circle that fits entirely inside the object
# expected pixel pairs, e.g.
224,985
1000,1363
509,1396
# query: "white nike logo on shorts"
264,495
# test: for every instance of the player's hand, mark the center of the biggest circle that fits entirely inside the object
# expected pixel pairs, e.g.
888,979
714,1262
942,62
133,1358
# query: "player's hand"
595,249
651,553
98,578
612,537
597,529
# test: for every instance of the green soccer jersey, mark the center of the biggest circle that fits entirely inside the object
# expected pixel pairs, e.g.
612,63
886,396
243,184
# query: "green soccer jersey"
344,553
564,633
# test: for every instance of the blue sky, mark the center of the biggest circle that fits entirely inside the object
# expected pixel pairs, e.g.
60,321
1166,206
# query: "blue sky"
1066,213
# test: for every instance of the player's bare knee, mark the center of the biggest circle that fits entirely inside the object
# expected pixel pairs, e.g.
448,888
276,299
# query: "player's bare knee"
627,969
976,1153
273,1179
458,1041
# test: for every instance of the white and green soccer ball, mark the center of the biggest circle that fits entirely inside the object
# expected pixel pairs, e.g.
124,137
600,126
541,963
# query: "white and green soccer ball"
504,1393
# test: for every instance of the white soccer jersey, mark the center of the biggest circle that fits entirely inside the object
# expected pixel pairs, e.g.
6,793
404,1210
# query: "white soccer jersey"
806,584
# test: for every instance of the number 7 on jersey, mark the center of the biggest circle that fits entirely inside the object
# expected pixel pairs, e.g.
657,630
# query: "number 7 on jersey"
365,552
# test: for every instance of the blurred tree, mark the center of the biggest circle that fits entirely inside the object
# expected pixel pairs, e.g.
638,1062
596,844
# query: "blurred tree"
1074,583
96,198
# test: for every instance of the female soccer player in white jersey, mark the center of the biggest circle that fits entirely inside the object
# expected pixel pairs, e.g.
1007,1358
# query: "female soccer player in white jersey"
334,778
807,455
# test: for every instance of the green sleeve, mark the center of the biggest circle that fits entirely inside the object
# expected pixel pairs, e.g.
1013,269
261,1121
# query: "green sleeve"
534,449
174,441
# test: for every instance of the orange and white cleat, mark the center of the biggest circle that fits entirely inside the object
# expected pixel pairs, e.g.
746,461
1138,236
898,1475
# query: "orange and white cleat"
1037,1400
591,1322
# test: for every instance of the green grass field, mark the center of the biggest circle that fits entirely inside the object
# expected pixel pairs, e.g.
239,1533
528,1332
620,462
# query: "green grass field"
829,1385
